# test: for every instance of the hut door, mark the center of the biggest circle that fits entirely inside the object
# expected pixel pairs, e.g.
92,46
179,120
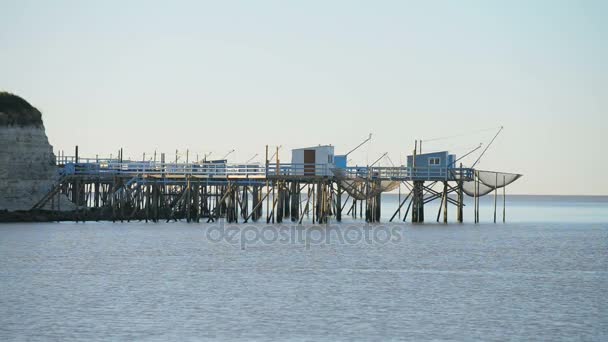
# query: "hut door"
309,162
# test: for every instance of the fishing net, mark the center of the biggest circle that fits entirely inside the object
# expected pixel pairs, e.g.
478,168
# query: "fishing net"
469,188
358,189
357,186
488,181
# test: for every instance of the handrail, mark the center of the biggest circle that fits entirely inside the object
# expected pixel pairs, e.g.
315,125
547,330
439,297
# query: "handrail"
412,173
300,169
111,167
151,168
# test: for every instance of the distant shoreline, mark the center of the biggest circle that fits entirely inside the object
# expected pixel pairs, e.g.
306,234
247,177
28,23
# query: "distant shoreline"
603,197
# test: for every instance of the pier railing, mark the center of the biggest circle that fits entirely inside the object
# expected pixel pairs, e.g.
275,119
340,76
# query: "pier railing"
300,170
384,173
64,160
165,169
407,173
224,170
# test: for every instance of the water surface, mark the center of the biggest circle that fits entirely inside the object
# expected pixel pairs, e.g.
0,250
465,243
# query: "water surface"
543,275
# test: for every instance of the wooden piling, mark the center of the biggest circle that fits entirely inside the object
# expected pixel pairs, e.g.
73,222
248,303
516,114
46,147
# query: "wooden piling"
459,215
339,202
495,196
504,199
418,202
445,201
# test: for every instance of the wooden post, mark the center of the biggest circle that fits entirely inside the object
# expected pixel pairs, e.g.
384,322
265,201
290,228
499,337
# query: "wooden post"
475,196
415,152
96,199
244,202
418,202
188,201
314,208
360,209
495,195
320,202
147,202
445,202
478,196
459,214
277,160
338,202
378,203
59,198
398,209
254,202
286,200
295,201
504,198
155,201
267,188
280,202
367,199
235,200
408,208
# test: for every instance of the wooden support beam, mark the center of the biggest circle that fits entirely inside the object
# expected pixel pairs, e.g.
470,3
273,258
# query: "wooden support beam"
398,211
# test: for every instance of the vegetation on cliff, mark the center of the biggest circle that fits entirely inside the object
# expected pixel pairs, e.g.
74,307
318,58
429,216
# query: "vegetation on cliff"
15,111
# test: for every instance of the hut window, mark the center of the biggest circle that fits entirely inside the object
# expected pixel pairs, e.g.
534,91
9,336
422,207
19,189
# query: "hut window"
434,161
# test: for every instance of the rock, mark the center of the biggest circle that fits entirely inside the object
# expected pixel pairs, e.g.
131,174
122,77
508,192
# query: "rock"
27,163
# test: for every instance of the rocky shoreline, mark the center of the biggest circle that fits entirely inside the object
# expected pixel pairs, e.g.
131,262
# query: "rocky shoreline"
82,215
35,216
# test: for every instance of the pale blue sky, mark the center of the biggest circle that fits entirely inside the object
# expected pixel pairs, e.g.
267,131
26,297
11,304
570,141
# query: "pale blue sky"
217,75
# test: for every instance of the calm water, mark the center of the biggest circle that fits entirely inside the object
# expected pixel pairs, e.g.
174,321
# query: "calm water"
541,276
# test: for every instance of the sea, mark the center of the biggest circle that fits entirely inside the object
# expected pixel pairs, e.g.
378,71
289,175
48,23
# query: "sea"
541,275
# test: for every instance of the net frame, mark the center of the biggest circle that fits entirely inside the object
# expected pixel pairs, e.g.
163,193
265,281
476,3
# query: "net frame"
489,181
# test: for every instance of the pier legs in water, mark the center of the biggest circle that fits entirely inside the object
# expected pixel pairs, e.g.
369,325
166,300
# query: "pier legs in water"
256,203
153,199
459,216
372,209
418,202
338,202
294,200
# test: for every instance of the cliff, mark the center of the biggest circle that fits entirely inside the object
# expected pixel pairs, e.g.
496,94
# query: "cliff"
27,162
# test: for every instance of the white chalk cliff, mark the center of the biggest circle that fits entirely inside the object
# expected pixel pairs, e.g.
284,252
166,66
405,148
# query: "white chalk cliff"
27,163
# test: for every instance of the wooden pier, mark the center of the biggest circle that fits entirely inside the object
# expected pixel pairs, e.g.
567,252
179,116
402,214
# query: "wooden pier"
119,190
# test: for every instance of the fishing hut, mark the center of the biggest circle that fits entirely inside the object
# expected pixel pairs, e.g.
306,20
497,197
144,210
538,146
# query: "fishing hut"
317,160
428,170
433,160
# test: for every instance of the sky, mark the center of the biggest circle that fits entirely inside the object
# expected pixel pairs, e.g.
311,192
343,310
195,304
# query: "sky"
212,76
